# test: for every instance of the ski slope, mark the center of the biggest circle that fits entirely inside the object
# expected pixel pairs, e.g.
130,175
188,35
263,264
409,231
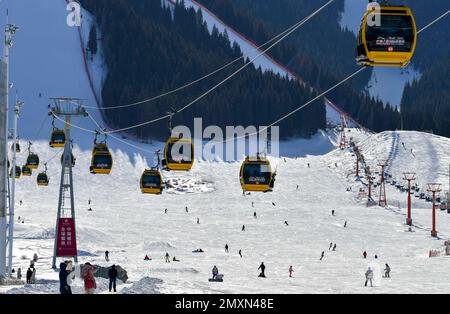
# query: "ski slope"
131,225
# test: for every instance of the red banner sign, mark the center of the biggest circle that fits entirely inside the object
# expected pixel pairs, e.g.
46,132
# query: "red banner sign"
66,242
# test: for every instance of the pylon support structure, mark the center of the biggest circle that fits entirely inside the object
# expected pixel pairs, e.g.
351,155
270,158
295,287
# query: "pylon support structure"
66,108
434,188
10,30
382,201
343,141
409,176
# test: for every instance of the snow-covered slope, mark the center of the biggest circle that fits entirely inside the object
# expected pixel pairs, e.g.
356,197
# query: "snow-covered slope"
130,225
47,61
386,83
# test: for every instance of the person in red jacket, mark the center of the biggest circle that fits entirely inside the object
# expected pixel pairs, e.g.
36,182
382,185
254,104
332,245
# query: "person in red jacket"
89,280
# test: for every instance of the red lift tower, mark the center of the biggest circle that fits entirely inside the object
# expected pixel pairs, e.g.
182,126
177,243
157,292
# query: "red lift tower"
343,142
409,176
434,188
382,199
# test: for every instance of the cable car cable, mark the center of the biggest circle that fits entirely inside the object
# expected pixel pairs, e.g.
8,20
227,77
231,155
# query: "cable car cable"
296,25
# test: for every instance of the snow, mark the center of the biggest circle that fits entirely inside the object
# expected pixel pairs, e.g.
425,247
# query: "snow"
130,225
386,83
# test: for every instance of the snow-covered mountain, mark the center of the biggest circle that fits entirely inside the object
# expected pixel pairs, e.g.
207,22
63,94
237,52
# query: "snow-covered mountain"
130,225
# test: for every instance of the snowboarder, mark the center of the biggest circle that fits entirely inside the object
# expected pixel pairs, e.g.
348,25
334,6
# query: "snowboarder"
107,255
387,271
240,253
89,280
291,270
243,227
167,258
64,288
262,267
112,275
286,223
215,272
365,254
322,255
226,248
334,247
19,273
369,276
29,273
331,245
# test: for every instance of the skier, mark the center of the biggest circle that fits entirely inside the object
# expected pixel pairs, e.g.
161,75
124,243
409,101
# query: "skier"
165,211
262,267
365,254
254,215
20,202
18,219
243,227
345,224
175,259
297,186
309,165
331,245
198,221
107,255
89,280
332,212
29,273
33,276
252,204
112,275
376,256
240,253
187,211
89,202
226,248
167,258
322,255
286,223
90,209
35,257
215,272
334,247
387,271
146,258
291,270
19,273
273,204
369,276
64,288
